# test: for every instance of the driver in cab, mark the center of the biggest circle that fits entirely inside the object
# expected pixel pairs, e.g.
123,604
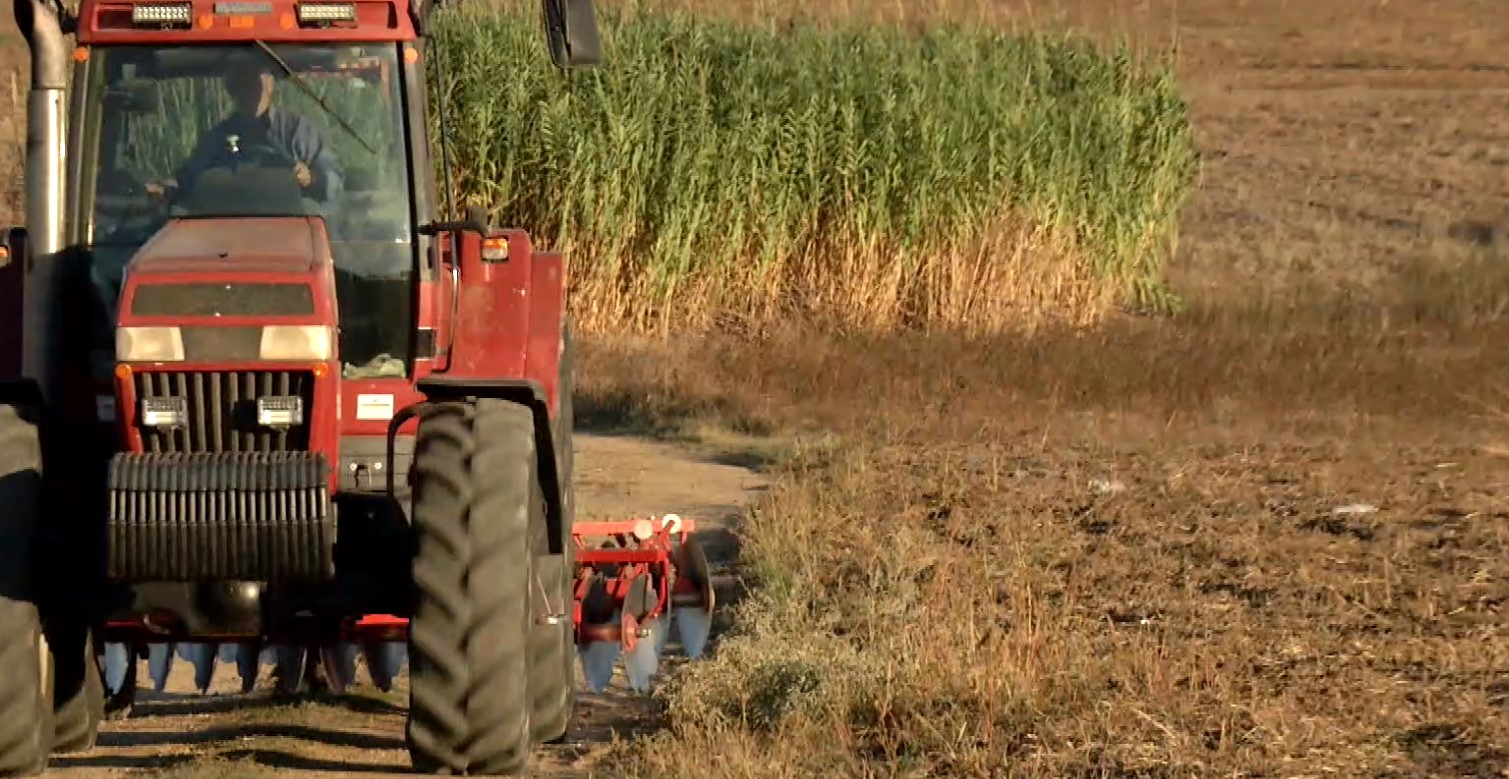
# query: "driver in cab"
253,123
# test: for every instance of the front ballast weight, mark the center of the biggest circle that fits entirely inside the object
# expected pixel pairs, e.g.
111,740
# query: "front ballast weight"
648,576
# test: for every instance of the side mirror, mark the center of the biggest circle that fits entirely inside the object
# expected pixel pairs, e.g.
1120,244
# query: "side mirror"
571,33
481,221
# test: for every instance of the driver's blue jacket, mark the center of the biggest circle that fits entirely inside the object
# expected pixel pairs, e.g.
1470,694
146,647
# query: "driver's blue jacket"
285,132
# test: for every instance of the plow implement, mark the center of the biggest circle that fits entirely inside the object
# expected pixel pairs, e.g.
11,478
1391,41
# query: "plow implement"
645,578
637,583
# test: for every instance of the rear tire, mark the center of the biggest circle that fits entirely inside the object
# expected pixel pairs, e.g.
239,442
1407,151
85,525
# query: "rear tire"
25,661
476,474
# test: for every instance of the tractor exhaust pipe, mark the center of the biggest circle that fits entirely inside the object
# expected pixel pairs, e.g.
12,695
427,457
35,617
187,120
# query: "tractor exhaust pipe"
41,24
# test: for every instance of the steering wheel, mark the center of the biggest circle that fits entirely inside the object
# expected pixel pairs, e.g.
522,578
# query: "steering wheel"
253,178
264,155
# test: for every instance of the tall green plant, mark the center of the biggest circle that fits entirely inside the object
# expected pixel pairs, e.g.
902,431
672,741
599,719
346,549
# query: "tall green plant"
708,148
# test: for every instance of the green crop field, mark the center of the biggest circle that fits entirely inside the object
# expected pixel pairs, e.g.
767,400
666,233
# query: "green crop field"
869,177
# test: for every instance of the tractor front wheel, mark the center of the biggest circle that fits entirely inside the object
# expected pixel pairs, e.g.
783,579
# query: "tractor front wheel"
25,660
474,491
78,690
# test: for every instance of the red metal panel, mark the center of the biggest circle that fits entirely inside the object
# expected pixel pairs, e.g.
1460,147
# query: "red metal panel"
293,244
109,21
403,395
282,249
492,318
509,314
547,299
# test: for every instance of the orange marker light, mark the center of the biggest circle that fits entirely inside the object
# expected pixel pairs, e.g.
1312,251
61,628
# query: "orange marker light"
123,371
320,370
206,21
81,54
410,54
495,249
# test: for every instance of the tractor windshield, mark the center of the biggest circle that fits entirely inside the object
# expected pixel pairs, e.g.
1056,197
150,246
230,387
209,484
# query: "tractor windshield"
245,130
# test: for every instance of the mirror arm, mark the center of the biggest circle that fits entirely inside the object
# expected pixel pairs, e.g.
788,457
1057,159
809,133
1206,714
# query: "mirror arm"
476,221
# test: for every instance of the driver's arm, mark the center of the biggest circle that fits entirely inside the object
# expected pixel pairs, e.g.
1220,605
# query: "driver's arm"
310,146
200,158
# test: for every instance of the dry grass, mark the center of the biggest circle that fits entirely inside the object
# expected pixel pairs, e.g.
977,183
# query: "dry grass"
1076,558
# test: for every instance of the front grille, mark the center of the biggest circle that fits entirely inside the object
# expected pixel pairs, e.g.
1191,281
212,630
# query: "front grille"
222,411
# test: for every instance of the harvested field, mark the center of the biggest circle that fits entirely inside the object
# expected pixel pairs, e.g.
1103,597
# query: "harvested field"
1264,535
1280,560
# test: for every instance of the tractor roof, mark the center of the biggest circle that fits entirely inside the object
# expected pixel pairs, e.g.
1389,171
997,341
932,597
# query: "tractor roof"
191,22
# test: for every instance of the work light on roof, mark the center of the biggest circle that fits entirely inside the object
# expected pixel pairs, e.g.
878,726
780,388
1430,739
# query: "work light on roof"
324,13
161,13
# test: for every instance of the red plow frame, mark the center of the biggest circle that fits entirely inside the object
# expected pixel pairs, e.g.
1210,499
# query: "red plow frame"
649,575
646,577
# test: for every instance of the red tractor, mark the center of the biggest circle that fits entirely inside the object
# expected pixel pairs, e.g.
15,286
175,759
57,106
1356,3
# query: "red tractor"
259,387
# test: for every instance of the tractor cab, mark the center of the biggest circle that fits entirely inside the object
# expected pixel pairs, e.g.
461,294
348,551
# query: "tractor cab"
174,131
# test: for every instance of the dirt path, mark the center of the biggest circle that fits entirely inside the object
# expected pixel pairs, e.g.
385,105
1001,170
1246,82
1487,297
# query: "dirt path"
226,735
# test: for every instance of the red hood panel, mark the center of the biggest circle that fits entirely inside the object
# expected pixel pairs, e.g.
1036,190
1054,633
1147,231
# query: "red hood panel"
244,244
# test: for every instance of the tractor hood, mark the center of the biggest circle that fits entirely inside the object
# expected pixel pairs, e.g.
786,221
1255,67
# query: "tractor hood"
275,245
232,272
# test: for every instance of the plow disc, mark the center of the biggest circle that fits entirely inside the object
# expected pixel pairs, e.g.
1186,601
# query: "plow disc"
648,575
294,667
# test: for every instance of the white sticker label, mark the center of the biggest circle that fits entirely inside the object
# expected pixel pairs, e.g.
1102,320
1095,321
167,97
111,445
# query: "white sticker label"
374,406
104,407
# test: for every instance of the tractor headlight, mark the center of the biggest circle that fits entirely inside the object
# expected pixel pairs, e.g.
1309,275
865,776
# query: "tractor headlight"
297,342
165,14
325,13
148,344
164,412
280,411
